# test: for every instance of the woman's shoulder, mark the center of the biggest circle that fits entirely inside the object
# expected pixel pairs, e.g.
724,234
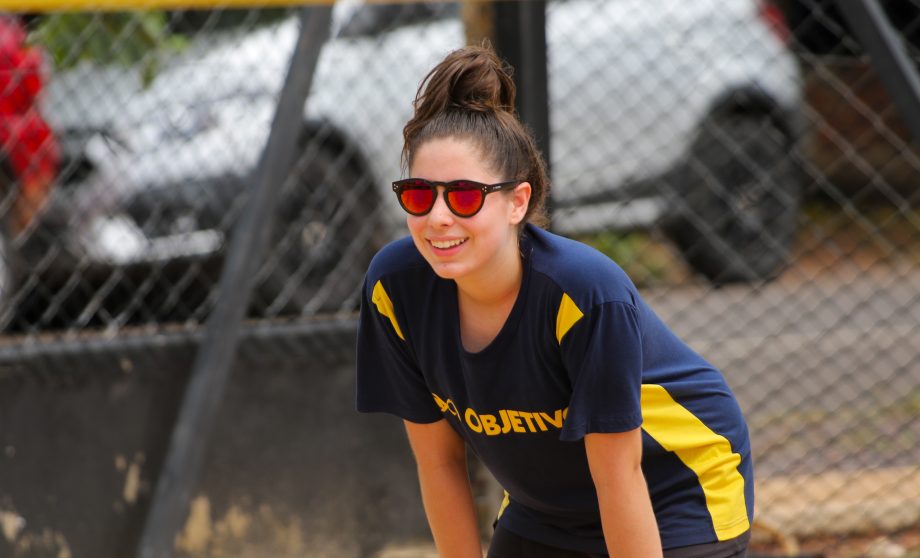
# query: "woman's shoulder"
397,257
586,275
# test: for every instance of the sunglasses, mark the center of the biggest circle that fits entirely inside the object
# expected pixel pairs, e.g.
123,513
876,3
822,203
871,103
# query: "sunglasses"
464,198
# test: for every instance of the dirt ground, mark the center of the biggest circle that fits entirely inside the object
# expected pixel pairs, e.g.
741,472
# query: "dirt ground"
903,544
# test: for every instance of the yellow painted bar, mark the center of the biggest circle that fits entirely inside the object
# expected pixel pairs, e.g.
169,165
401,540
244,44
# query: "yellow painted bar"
132,5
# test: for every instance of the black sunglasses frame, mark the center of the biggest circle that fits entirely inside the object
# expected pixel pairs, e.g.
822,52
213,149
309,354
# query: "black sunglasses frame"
454,185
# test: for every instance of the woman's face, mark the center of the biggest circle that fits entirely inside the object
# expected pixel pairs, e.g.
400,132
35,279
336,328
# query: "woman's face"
472,247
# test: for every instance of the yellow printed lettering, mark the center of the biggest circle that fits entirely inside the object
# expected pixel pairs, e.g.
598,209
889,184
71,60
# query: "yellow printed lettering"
490,425
540,423
505,421
472,420
527,418
556,420
446,406
506,424
516,423
440,403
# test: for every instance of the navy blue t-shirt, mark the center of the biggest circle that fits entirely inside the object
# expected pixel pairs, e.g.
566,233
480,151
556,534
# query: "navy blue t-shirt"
580,353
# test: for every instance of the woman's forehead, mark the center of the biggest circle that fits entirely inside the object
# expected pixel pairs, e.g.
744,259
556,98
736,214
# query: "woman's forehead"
451,158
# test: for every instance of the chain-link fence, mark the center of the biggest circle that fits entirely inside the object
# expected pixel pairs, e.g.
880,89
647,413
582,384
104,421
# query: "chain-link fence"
741,160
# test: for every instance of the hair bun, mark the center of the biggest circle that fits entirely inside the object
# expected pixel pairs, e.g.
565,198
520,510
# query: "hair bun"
469,96
472,78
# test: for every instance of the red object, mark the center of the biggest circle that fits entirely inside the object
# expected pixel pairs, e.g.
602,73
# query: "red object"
27,144
773,15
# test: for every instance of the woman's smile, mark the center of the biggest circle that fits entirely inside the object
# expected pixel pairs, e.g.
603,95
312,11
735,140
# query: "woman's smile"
446,245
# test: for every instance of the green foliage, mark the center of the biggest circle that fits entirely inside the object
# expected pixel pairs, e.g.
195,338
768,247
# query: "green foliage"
128,39
645,260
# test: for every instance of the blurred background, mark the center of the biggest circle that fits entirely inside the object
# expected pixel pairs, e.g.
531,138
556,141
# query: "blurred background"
742,160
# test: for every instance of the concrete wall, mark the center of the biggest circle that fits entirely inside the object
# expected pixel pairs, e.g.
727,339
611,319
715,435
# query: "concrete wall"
292,469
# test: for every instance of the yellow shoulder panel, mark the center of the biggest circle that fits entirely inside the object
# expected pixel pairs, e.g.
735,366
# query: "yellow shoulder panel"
568,315
381,299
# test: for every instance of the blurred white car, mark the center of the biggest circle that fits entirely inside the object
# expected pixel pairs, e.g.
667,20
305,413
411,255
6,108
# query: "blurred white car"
678,114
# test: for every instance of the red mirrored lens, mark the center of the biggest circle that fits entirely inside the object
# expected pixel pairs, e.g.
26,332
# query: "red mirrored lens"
465,202
417,200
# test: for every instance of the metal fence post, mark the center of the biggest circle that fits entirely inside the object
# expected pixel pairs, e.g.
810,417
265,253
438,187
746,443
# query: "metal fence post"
520,38
889,57
215,357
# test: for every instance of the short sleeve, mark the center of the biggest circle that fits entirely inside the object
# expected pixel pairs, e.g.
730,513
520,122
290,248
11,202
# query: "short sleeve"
602,354
388,378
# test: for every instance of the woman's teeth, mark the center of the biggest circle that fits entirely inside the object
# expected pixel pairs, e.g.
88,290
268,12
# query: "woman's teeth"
444,244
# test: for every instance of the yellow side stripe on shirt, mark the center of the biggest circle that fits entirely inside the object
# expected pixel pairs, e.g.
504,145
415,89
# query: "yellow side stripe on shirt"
505,501
708,454
568,315
385,306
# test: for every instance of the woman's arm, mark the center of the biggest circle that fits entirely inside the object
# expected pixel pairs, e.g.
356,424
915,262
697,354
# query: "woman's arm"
626,509
440,456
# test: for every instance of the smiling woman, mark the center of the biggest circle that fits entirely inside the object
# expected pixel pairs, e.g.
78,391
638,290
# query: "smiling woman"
482,330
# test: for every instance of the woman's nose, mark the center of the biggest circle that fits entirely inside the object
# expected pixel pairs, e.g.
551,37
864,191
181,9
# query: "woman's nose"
440,213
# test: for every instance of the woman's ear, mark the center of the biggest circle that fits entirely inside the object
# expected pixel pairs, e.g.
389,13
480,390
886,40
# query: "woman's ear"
520,199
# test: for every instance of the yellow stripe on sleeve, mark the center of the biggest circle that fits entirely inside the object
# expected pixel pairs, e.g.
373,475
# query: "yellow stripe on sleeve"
385,306
568,315
706,453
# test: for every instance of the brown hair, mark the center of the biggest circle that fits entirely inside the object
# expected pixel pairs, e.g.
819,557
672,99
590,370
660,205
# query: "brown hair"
470,95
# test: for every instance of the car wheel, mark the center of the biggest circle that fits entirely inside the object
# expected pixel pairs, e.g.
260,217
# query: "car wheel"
323,237
739,201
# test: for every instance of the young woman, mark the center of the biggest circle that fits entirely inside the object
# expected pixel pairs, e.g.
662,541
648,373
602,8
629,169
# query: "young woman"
608,434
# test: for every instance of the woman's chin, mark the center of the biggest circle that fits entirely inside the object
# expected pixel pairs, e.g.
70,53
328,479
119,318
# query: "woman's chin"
448,270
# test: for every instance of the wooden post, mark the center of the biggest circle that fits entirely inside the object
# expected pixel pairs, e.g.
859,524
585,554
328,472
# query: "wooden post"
519,36
478,21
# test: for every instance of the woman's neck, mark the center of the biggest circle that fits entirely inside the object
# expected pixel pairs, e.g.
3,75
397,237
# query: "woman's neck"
486,300
495,284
